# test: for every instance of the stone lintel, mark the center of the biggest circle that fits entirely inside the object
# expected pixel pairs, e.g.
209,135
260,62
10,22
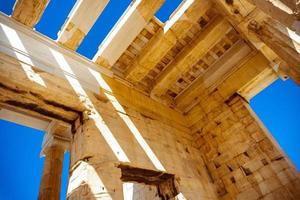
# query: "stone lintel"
79,22
29,12
132,22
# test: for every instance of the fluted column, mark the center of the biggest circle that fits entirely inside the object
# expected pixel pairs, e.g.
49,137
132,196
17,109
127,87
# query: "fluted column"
51,178
56,142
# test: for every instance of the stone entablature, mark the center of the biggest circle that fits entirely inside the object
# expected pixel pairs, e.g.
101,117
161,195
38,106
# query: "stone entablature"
180,110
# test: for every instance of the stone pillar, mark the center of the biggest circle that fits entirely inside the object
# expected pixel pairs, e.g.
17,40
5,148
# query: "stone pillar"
93,173
56,142
51,178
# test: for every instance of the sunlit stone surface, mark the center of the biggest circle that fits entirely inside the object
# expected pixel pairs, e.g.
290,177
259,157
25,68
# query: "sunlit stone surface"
161,112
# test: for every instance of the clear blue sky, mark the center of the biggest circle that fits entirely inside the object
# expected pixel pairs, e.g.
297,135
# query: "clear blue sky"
278,106
21,167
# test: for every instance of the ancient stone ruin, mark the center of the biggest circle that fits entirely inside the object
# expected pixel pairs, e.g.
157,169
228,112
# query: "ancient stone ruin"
161,111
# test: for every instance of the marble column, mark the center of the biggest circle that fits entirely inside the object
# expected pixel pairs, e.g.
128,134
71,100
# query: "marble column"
56,142
51,178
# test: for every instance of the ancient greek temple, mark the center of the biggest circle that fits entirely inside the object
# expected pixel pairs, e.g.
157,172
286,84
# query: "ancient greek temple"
162,110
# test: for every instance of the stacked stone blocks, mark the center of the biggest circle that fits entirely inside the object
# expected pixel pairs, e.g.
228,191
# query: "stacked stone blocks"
242,159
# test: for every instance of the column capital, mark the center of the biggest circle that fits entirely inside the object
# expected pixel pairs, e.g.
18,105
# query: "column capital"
57,135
